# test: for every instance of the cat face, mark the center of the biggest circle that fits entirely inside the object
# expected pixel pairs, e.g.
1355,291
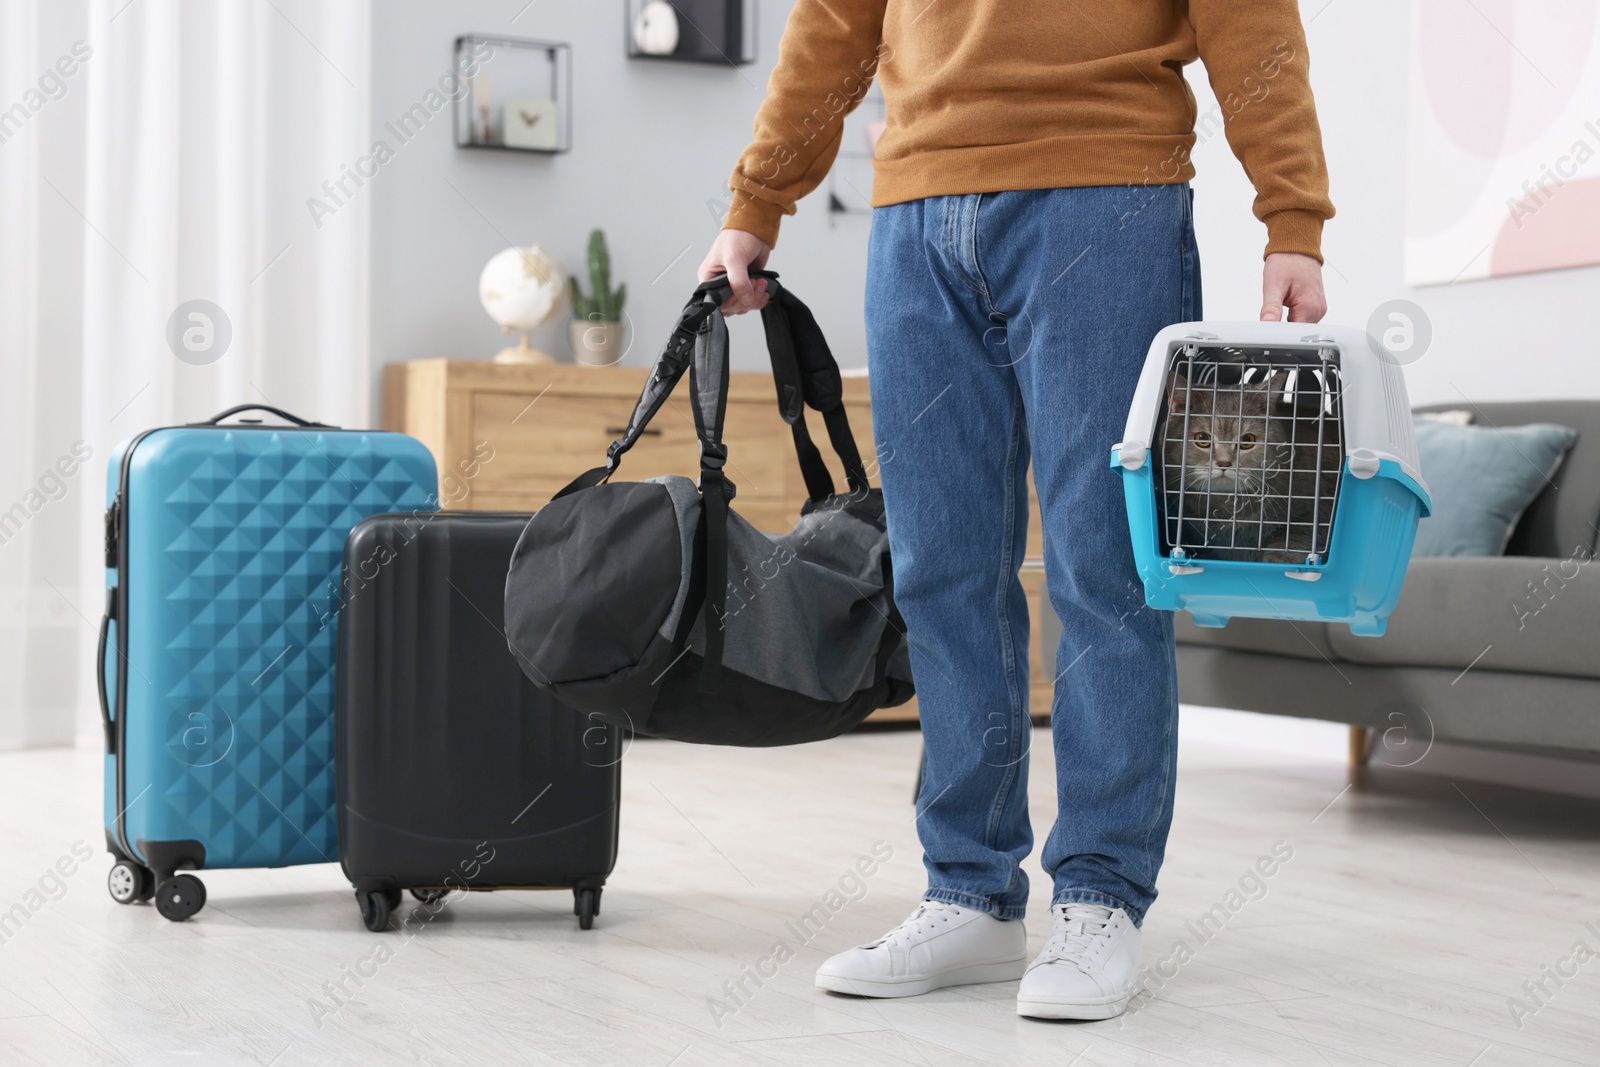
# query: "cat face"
1221,440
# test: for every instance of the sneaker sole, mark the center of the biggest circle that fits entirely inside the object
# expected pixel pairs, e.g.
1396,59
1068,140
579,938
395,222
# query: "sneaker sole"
1008,971
1087,1010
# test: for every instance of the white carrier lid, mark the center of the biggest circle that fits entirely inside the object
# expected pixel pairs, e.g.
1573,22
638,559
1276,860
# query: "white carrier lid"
1377,410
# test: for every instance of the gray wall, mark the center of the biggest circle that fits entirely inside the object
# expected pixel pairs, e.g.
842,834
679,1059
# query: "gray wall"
655,141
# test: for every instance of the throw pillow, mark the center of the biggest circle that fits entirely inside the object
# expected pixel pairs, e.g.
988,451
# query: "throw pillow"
1482,479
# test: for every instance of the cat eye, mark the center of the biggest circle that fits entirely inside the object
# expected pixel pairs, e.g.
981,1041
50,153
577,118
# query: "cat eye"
1247,441
1202,439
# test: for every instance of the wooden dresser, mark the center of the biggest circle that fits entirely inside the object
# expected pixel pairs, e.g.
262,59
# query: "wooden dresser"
506,438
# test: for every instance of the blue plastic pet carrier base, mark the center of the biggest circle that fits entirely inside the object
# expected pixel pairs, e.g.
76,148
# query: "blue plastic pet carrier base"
223,552
1355,571
1359,584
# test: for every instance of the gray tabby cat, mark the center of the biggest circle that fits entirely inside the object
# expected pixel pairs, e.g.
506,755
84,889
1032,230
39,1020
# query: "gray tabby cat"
1247,483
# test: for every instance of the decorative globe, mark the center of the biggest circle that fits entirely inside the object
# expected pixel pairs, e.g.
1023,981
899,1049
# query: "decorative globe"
521,288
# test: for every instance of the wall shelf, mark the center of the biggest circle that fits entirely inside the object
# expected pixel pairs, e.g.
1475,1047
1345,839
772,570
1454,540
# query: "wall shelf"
719,32
518,95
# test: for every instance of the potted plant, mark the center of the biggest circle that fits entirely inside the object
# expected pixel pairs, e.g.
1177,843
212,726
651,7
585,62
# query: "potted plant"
597,318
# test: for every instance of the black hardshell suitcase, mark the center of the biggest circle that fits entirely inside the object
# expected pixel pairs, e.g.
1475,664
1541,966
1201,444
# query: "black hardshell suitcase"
454,771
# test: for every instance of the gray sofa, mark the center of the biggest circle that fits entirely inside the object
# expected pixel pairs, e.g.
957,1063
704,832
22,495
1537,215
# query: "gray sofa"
1459,661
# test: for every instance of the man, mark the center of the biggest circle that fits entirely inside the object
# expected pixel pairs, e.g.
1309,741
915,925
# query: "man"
1032,232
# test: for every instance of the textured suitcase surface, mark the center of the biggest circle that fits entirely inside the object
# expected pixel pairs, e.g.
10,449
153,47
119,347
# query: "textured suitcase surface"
454,770
223,551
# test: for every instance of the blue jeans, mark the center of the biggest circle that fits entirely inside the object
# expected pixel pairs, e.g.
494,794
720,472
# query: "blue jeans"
1003,327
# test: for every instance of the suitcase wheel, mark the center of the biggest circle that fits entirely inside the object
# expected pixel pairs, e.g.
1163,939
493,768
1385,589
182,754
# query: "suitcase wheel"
179,897
129,882
430,896
586,905
376,907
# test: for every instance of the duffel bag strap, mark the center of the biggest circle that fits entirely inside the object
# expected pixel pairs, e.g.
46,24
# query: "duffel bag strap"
804,371
708,397
674,359
792,393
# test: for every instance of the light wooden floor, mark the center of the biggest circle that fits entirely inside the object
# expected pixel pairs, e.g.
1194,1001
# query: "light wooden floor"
1409,914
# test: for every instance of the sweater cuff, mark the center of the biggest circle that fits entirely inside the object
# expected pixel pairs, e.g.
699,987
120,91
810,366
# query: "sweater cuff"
1295,231
759,217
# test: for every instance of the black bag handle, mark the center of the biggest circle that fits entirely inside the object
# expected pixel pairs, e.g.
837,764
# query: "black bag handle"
670,365
304,424
804,371
708,397
100,671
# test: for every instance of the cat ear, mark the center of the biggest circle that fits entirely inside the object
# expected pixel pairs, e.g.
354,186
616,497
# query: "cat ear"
1175,400
1278,383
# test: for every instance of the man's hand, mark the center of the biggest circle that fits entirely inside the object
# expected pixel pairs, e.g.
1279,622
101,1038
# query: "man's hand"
1293,281
735,253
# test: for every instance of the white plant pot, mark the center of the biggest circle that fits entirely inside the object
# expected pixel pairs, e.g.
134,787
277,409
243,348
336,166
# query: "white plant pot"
596,344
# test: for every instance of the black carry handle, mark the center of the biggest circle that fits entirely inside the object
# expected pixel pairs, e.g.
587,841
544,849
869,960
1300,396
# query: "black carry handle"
805,374
721,291
100,671
670,366
804,370
708,397
304,424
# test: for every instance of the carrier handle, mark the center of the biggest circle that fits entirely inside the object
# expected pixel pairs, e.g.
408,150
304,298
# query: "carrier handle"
304,424
100,672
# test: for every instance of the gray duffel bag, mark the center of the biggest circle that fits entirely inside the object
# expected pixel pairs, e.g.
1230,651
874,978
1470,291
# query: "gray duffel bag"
655,607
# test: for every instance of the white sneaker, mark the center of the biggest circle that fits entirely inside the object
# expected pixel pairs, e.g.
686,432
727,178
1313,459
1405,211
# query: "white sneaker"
1088,969
938,945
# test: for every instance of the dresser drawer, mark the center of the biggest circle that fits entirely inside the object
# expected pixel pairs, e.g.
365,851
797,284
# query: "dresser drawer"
541,447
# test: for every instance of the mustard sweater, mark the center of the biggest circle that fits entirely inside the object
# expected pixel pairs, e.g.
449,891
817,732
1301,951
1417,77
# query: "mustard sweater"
989,95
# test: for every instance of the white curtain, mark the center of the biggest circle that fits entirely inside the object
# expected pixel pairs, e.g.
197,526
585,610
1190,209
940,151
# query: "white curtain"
191,135
45,491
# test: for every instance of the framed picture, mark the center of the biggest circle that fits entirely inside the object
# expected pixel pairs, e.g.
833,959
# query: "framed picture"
529,123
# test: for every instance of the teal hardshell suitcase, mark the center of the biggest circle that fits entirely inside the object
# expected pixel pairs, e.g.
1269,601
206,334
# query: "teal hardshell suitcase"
218,646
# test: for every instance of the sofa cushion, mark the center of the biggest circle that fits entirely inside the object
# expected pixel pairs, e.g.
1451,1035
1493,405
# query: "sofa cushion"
1563,516
1502,613
1481,480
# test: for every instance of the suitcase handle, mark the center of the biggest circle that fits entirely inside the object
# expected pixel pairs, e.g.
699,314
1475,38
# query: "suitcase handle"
100,673
297,420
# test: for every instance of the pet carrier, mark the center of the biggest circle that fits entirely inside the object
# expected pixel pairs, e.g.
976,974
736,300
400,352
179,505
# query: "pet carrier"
1270,470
